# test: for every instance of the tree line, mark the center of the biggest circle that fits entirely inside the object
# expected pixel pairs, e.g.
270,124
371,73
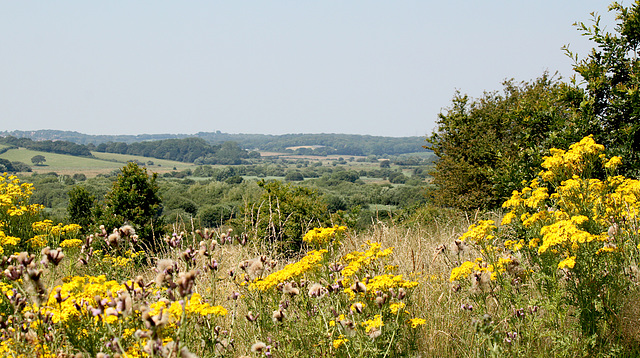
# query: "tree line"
190,150
51,146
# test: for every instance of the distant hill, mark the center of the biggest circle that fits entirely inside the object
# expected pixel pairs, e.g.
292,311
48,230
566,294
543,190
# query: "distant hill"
339,144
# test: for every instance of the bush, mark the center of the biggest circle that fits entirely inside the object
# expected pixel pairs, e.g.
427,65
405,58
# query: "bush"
134,199
215,215
486,147
283,214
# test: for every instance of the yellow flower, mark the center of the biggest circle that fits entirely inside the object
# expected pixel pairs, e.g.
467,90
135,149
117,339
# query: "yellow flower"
385,282
337,343
508,218
462,271
69,243
569,262
360,260
306,264
395,307
323,236
481,232
374,323
613,163
415,322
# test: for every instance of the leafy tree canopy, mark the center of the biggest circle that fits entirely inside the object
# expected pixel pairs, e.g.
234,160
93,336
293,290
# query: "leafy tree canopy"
610,104
134,199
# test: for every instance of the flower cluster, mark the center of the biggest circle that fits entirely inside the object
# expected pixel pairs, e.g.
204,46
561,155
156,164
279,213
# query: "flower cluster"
14,207
357,260
310,261
576,216
323,236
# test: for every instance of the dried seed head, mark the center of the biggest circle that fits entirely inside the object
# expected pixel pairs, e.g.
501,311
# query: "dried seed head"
258,347
278,315
374,333
127,230
359,287
289,289
357,307
317,290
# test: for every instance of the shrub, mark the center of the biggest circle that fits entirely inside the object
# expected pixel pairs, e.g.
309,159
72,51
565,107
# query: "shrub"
487,146
284,213
134,199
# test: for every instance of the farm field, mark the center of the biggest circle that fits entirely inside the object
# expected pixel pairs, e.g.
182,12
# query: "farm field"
61,163
159,165
103,163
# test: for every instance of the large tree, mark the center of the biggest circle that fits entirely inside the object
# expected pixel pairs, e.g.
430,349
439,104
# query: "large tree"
134,199
610,105
80,208
38,159
487,146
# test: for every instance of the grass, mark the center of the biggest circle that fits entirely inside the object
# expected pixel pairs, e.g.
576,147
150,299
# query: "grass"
157,163
103,163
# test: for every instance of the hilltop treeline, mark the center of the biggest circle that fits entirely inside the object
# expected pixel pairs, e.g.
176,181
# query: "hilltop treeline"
339,144
326,144
58,146
190,150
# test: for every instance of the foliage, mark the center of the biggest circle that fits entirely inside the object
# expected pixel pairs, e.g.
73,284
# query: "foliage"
192,150
81,207
489,145
570,239
57,146
7,166
134,199
38,159
325,144
609,108
284,213
215,215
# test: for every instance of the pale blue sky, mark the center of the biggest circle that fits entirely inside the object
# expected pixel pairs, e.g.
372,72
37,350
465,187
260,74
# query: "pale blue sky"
273,67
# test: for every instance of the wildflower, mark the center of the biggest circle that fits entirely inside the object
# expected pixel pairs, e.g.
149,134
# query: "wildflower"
317,290
258,347
71,243
337,343
613,163
278,315
569,262
462,271
290,289
415,322
323,236
357,307
480,232
307,263
396,307
372,324
359,260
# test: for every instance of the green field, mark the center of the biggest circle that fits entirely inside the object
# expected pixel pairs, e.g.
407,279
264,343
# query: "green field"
104,163
157,163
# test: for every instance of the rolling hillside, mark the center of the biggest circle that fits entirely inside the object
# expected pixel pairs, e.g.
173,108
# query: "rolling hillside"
103,163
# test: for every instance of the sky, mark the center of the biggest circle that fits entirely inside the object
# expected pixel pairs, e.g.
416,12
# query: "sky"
372,67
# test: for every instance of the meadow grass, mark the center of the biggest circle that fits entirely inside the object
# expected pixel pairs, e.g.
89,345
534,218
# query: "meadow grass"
432,283
157,163
56,161
103,163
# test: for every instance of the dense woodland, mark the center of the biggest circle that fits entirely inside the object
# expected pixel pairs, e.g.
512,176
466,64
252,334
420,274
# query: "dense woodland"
325,144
